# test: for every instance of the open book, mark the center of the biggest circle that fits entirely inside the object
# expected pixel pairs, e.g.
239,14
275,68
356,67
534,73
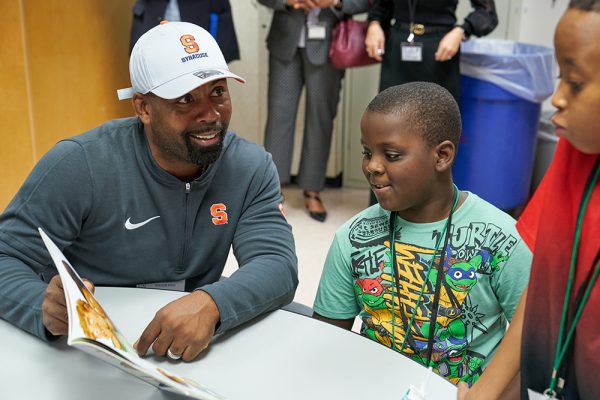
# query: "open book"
92,331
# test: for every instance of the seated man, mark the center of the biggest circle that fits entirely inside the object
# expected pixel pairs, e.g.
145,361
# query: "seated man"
155,200
433,272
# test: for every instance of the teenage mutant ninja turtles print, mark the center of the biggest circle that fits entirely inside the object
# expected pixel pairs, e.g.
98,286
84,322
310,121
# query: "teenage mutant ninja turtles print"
483,272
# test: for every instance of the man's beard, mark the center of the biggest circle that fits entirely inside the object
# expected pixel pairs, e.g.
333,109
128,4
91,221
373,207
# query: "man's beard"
203,156
186,150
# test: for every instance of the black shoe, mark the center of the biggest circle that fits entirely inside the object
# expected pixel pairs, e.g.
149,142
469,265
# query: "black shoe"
320,216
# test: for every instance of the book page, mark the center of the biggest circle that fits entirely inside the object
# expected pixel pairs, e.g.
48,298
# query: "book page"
91,330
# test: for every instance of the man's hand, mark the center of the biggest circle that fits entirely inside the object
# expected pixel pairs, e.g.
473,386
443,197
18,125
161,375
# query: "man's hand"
184,326
450,44
54,308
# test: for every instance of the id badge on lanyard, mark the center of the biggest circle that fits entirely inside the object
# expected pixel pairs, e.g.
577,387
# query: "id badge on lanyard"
315,29
533,395
410,50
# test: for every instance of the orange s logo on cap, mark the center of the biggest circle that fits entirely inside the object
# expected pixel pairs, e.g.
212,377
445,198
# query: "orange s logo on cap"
189,43
219,214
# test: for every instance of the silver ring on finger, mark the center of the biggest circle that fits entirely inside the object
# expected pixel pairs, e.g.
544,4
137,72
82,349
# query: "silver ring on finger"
173,356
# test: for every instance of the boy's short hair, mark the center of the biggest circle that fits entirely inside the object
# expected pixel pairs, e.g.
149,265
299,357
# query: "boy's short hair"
429,108
585,5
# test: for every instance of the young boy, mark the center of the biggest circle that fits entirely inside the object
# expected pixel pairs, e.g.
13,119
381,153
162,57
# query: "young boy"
563,267
443,292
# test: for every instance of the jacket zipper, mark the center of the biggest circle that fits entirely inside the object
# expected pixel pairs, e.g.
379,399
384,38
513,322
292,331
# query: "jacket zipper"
181,267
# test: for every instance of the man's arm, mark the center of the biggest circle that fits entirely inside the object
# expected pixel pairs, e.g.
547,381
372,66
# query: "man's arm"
505,364
55,196
263,245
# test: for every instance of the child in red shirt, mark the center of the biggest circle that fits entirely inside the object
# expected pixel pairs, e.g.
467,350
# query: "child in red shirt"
561,225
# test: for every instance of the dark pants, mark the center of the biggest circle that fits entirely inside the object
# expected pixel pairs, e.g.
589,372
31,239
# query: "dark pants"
394,71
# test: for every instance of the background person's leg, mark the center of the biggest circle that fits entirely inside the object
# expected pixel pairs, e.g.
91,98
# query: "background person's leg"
323,84
285,87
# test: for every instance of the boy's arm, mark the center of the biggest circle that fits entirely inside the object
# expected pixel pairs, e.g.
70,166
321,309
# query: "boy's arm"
505,364
342,323
336,301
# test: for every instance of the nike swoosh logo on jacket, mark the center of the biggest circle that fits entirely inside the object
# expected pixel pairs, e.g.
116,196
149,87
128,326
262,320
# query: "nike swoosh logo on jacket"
131,226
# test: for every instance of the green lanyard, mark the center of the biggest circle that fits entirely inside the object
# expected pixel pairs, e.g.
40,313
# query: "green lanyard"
562,346
443,234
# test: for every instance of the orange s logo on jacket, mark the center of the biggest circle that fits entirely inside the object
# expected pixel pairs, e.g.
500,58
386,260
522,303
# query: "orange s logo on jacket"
219,214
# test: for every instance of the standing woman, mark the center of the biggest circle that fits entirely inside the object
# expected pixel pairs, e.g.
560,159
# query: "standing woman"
423,42
298,44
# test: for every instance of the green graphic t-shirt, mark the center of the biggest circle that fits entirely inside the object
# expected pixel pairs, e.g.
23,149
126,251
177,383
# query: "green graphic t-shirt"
485,269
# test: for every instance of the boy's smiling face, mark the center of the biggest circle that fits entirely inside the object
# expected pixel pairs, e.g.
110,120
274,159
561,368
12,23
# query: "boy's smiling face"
577,97
398,163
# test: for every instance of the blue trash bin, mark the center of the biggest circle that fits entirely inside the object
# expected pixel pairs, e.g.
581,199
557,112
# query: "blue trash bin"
502,86
497,146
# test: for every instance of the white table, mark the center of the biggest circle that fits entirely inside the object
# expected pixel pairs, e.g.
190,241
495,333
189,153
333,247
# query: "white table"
280,356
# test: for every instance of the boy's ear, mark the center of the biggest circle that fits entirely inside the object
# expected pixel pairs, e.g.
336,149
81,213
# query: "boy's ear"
141,107
445,153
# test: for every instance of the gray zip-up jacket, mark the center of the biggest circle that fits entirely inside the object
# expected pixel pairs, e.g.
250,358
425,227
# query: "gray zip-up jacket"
121,220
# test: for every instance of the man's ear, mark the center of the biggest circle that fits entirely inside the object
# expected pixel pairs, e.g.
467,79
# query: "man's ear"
445,153
141,107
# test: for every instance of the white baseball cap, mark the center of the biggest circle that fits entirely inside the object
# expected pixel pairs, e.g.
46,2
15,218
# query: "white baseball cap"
174,58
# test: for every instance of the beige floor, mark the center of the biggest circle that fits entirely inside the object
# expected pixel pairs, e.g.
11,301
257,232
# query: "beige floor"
313,237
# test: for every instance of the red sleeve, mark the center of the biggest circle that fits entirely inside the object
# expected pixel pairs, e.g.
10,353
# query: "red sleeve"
529,221
555,204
